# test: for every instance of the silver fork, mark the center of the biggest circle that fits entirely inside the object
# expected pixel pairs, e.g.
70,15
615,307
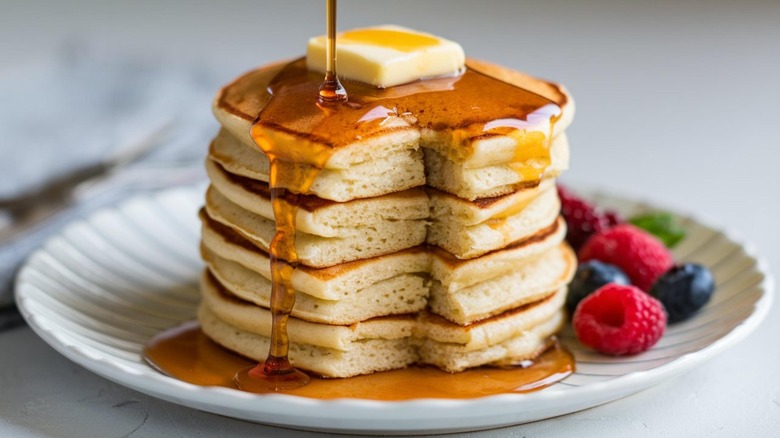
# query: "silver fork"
28,210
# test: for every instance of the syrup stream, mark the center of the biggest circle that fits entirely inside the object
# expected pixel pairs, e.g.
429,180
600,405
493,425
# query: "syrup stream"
276,373
331,89
288,180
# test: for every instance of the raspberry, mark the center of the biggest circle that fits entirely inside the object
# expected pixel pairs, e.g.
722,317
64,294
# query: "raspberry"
582,218
619,320
640,255
613,218
590,277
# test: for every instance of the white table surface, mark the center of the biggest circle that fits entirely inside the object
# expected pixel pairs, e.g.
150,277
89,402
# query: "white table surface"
677,103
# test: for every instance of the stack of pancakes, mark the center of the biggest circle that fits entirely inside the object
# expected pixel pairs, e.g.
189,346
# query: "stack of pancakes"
408,253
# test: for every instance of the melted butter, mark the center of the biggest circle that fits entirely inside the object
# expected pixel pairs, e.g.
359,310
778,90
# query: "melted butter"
389,38
517,206
532,154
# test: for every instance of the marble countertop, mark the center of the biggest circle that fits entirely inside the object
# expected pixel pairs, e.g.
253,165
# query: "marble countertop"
676,103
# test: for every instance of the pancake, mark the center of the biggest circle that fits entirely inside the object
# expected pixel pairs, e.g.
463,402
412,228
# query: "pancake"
371,240
237,105
400,294
454,273
489,331
472,212
491,180
469,241
315,215
369,355
248,316
400,170
383,343
330,283
531,280
526,345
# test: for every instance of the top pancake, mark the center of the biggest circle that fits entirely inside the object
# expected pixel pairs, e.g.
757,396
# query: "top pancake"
237,105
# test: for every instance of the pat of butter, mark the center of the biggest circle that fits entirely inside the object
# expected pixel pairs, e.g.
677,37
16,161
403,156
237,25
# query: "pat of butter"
385,56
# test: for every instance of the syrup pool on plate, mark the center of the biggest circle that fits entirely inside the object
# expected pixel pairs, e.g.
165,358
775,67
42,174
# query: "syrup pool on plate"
185,353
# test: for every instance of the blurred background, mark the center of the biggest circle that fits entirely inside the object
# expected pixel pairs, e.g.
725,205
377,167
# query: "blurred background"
665,90
677,103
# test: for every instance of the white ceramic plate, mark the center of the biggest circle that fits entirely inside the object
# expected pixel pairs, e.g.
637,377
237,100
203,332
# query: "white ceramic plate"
104,286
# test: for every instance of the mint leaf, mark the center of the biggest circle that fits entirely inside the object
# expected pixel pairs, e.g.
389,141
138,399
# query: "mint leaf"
660,225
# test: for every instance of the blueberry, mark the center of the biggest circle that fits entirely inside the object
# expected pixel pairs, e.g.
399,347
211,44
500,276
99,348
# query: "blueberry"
590,276
683,290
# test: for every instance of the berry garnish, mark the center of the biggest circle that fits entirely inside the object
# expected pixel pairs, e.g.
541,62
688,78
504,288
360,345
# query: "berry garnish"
582,218
590,276
619,320
660,225
640,255
613,218
683,290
